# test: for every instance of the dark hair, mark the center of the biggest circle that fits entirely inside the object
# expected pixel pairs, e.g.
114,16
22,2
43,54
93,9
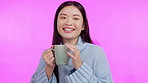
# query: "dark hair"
84,33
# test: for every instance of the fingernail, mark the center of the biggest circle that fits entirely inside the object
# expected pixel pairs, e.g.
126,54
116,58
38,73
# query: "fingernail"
65,44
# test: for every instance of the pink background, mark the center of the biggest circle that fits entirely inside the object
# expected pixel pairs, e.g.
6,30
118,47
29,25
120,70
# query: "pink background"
119,26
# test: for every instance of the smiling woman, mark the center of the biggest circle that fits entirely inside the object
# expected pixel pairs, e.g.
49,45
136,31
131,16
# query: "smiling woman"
87,62
70,23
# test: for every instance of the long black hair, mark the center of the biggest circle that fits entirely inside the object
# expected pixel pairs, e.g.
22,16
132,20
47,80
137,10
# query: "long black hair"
57,39
84,33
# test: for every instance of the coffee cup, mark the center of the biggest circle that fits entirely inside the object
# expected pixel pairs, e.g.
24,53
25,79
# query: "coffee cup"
60,52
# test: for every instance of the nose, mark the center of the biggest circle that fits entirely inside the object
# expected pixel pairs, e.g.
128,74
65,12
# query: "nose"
68,22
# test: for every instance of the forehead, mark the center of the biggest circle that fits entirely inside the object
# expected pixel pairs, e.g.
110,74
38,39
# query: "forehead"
70,10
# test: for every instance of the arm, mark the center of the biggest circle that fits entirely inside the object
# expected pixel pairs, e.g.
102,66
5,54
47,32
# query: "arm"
44,73
86,75
40,76
97,72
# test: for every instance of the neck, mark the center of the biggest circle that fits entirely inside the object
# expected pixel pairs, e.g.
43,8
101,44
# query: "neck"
70,41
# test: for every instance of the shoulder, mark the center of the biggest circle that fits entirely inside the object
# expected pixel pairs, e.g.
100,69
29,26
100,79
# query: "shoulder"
95,56
98,54
95,51
94,48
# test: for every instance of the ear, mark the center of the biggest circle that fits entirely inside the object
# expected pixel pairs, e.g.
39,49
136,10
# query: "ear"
83,26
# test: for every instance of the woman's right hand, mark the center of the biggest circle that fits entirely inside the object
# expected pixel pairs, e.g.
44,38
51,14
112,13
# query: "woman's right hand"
49,60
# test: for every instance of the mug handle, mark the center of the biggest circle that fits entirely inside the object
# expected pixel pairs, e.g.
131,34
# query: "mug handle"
53,50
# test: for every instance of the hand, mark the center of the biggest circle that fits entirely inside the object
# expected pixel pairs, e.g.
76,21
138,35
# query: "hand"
76,60
49,58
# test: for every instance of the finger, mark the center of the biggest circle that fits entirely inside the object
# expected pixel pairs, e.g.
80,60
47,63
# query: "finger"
75,48
69,54
47,56
50,54
50,57
70,48
52,46
46,51
49,49
50,61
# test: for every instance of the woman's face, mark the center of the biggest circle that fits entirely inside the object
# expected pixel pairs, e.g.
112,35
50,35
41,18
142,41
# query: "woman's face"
70,22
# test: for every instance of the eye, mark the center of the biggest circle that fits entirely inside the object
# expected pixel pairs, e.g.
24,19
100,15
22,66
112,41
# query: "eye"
63,18
75,18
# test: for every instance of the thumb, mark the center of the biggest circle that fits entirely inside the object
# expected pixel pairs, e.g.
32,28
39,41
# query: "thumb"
52,46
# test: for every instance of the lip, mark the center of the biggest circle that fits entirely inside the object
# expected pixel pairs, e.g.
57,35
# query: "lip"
68,28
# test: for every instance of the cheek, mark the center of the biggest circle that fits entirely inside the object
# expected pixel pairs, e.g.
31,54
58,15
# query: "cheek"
60,24
79,25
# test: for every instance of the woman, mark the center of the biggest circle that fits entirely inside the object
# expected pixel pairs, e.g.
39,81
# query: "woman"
87,63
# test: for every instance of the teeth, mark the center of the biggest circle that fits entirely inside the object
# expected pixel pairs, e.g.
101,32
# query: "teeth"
68,29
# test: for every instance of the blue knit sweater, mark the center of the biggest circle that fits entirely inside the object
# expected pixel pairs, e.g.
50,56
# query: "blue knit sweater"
95,68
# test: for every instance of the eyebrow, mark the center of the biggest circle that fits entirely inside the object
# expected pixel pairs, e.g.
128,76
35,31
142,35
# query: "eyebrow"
66,14
76,15
63,14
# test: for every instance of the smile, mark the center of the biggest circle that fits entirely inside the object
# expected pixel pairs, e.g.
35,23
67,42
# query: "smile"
68,30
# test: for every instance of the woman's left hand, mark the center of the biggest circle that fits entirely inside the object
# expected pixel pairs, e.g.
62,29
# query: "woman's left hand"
76,60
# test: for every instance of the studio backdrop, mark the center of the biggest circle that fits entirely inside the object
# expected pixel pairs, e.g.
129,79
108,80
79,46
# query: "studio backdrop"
119,26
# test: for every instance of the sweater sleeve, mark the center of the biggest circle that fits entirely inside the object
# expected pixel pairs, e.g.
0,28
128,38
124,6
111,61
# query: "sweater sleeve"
96,72
40,75
85,75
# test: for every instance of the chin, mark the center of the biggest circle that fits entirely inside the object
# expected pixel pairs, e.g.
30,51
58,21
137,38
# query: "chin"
69,37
